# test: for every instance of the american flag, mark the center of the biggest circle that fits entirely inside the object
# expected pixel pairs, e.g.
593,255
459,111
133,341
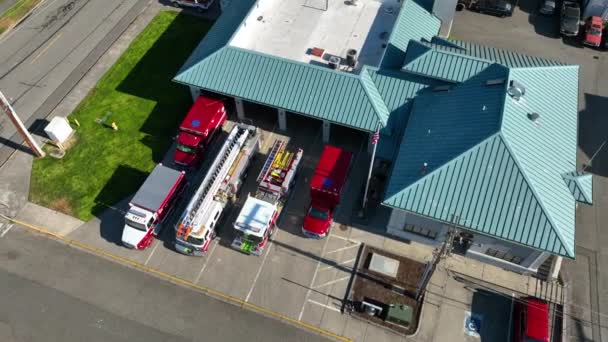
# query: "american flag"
375,137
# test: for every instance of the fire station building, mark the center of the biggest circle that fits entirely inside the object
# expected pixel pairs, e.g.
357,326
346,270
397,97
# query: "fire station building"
481,141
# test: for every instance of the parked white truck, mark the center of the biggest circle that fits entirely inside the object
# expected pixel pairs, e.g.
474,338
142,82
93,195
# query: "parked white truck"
197,225
151,205
257,219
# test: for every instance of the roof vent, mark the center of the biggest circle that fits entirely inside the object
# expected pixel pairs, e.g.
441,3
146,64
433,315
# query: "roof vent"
516,90
496,81
351,57
442,87
533,116
334,62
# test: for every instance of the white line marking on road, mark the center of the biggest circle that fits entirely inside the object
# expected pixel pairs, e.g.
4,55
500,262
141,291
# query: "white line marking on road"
255,280
344,238
198,277
343,248
314,277
6,230
332,282
324,305
46,47
152,253
338,264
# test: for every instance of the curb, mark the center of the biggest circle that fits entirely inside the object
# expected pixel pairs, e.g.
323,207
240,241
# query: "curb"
176,280
10,28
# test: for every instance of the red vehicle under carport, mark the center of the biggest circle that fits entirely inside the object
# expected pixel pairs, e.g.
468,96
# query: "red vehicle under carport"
531,321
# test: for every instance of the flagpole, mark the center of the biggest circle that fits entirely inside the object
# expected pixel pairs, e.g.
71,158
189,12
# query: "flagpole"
375,139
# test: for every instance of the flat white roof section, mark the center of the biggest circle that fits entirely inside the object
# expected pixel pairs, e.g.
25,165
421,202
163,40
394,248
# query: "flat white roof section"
292,28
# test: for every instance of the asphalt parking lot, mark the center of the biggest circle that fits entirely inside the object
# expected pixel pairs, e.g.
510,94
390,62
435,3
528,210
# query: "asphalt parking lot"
302,278
529,33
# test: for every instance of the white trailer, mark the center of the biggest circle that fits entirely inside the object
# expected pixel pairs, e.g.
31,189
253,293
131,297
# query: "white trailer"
257,219
151,205
197,225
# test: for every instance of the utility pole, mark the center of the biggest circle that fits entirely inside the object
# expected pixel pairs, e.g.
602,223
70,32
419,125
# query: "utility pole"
8,109
439,253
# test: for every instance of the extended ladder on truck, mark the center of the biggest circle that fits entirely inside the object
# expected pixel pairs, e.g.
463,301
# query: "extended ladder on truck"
278,172
220,170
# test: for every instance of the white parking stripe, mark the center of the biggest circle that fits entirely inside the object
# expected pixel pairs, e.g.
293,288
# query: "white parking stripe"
152,253
208,257
255,280
6,230
314,277
344,238
343,249
323,305
331,282
338,264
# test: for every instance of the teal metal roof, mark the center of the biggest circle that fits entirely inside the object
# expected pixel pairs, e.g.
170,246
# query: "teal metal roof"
397,90
413,23
505,57
344,98
488,163
443,65
581,186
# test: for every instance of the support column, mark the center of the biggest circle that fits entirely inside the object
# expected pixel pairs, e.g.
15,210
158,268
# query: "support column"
195,92
282,119
240,109
556,265
326,127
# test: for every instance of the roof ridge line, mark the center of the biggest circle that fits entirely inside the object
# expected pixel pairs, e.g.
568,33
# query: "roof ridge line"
545,67
535,193
365,73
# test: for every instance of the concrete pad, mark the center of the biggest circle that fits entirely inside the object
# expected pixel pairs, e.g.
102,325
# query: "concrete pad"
15,184
49,219
313,314
375,333
413,250
334,322
366,237
355,329
175,264
229,271
281,286
466,266
451,325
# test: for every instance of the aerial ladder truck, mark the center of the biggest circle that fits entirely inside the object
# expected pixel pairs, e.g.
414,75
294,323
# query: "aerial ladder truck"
257,219
197,225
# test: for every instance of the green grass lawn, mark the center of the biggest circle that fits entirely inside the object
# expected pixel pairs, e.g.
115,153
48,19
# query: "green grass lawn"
15,13
104,166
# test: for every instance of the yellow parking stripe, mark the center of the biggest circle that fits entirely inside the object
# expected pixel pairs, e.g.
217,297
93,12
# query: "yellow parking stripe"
234,300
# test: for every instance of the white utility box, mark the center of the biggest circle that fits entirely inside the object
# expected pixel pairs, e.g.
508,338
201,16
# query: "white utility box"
59,129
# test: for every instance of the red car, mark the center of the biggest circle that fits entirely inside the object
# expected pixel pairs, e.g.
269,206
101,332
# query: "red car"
593,31
531,321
